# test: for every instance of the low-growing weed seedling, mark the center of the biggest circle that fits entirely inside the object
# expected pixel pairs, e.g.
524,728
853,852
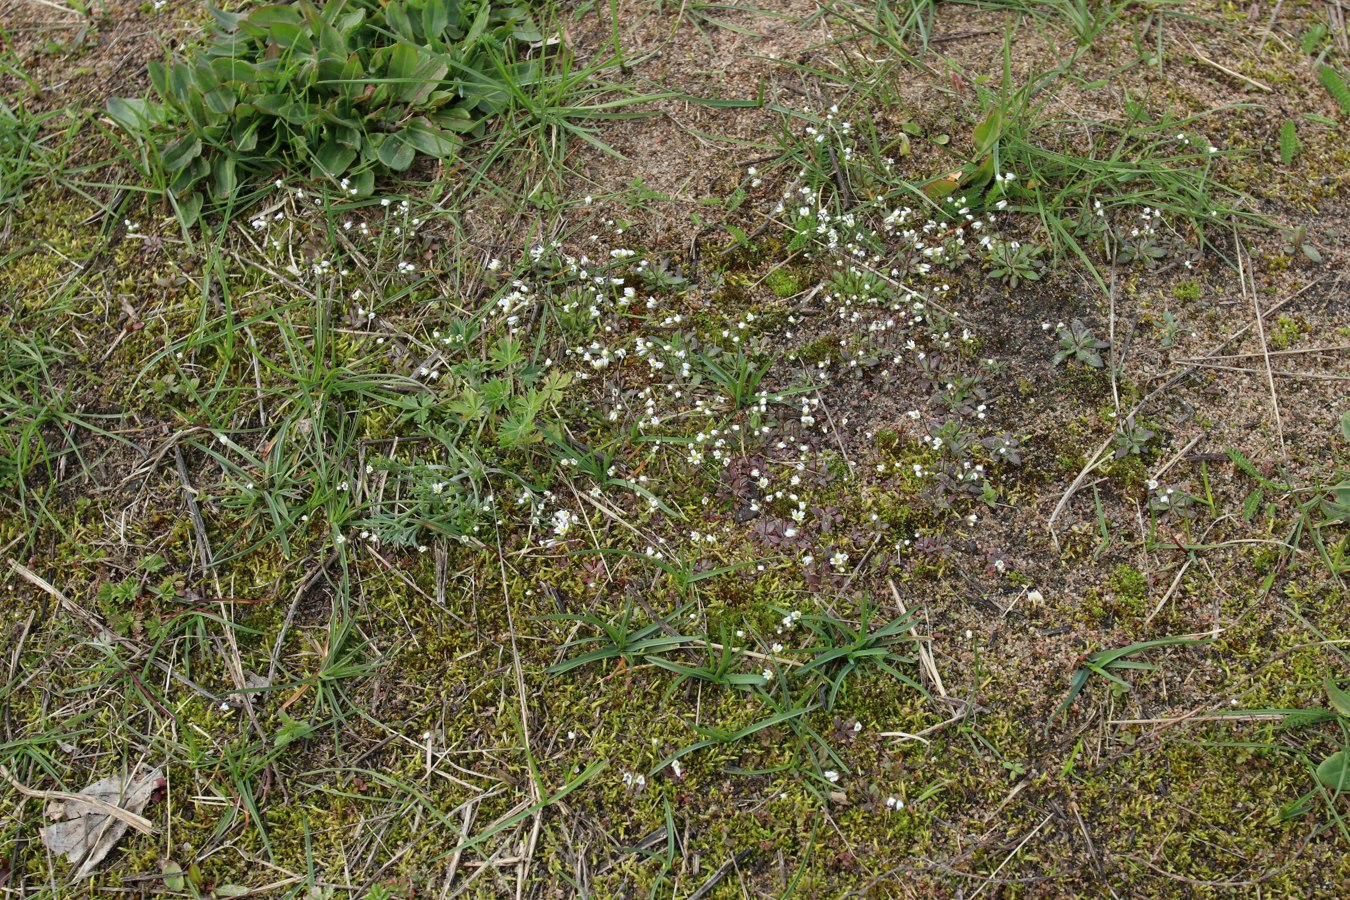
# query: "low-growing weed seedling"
1335,86
1296,240
1290,145
345,90
1334,771
1132,439
1171,328
1336,508
1166,499
1078,342
662,277
1014,262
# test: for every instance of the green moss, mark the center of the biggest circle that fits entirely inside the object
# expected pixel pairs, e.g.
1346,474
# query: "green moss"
1129,588
1285,332
784,282
1187,290
1130,472
825,347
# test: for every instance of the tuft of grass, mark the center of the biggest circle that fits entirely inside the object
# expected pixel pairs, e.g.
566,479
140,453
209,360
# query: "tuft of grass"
1107,664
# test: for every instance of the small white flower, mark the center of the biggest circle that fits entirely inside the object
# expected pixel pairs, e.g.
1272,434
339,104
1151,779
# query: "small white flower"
562,522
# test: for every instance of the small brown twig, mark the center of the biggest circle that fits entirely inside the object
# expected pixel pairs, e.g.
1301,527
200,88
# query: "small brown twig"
1247,282
925,652
295,604
198,524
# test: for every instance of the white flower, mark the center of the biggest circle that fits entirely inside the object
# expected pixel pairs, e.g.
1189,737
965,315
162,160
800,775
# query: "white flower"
562,522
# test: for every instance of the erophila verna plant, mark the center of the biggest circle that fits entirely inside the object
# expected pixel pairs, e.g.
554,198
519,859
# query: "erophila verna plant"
344,90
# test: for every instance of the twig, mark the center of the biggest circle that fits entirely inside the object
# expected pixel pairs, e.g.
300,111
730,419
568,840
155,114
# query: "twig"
290,613
960,36
1270,25
765,657
1197,882
1176,458
1092,850
1073,488
1312,376
1244,275
1180,376
1190,370
1111,337
925,653
535,794
838,437
463,836
1176,582
922,735
1007,859
722,871
1238,75
102,631
198,525
1293,352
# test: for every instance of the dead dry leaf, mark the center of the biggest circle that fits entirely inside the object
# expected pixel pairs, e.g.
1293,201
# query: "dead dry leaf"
92,821
254,686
